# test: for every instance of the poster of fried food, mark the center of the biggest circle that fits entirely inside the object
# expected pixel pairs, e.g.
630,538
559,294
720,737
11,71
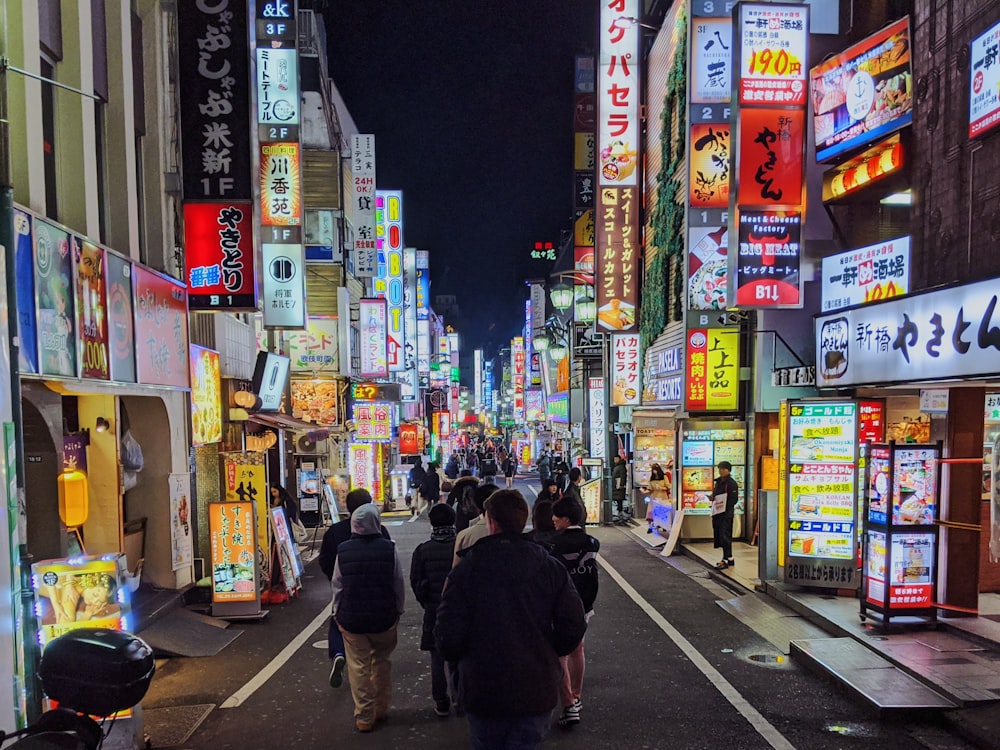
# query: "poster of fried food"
79,592
206,396
315,401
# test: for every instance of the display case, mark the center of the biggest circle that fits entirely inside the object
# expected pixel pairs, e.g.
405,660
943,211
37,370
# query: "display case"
655,442
901,533
703,445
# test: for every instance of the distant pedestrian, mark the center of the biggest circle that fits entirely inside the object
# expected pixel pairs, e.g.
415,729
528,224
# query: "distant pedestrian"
368,597
417,474
430,488
560,472
461,498
619,484
577,550
474,463
550,491
544,468
509,470
543,530
336,535
478,528
508,612
725,495
573,488
428,570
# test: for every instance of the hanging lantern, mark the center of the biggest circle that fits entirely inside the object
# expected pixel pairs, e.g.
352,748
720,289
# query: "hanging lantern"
561,296
74,498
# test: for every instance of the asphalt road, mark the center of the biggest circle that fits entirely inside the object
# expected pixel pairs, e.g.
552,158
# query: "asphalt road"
666,668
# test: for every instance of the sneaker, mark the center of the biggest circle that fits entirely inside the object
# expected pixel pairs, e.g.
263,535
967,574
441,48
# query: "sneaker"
364,726
442,709
337,672
570,715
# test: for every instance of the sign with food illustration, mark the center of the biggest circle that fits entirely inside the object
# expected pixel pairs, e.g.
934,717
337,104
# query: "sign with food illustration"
81,592
708,268
704,444
708,165
315,401
233,546
618,258
618,93
626,370
181,539
206,396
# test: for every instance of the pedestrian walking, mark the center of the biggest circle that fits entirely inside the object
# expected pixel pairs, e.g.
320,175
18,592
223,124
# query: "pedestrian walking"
573,488
507,614
543,531
429,568
725,494
461,499
619,484
368,597
474,463
509,470
577,550
430,488
417,474
478,528
544,468
336,535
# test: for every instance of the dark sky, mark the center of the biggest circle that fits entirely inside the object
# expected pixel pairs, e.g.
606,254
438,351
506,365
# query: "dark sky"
471,104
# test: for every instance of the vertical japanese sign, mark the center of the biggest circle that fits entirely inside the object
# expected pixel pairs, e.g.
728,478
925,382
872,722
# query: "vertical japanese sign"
54,301
584,176
408,380
213,57
206,396
91,310
276,72
477,378
984,83
181,539
626,370
361,466
234,552
598,417
769,199
517,370
617,212
161,329
372,422
389,283
246,482
712,368
374,322
219,255
363,195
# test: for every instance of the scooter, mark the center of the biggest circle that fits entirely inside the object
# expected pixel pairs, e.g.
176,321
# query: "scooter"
89,673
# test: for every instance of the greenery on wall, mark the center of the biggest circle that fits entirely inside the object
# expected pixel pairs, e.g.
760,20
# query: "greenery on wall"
662,296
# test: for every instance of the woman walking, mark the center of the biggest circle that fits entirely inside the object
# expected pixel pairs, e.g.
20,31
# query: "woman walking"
510,469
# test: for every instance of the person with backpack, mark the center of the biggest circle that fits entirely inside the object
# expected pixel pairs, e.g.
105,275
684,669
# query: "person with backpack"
461,500
577,550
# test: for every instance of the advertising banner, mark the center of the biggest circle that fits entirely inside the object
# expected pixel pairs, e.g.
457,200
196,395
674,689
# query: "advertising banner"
711,60
206,396
372,422
121,318
389,283
316,349
703,445
864,93
423,284
708,268
618,259
557,408
161,328
246,482
81,592
288,554
278,99
219,256
233,551
708,165
408,445
770,155
984,84
91,310
214,79
315,401
868,274
534,405
618,94
181,539
363,214
772,44
361,466
283,285
374,322
280,185
769,258
626,370
24,263
410,385
597,417
712,370
54,295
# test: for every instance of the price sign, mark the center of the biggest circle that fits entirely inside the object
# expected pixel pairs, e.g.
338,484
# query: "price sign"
773,53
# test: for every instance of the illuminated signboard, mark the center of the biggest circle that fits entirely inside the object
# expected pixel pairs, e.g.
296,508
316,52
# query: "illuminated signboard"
711,67
372,422
864,93
517,370
374,363
219,256
277,87
477,377
557,408
626,370
283,285
597,416
708,165
316,348
315,401
868,274
772,45
375,392
161,325
80,592
708,268
408,378
206,396
91,310
770,156
712,369
233,551
984,82
280,191
769,259
534,405
361,466
389,282
363,193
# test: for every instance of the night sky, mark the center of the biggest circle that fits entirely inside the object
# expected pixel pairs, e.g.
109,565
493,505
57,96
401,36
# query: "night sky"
471,104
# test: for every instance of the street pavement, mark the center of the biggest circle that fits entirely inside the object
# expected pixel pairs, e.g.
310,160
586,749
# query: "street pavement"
666,668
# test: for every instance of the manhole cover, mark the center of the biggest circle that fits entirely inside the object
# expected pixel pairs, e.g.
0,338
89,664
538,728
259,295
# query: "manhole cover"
767,658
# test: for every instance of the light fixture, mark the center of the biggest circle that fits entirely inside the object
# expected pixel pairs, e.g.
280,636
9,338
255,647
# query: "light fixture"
904,198
561,295
541,342
558,352
102,425
586,310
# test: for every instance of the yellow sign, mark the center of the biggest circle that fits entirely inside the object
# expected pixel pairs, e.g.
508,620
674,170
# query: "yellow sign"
230,533
583,152
722,366
246,481
583,229
782,480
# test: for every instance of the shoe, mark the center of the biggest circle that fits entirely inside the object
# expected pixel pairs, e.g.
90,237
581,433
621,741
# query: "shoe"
442,709
649,530
364,726
722,565
337,672
570,715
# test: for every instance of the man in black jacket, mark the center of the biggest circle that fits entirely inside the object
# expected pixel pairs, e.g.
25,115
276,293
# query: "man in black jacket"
337,534
722,521
508,612
368,597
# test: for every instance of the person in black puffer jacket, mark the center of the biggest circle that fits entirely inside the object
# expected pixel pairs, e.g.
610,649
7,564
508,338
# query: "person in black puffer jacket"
428,570
368,596
461,499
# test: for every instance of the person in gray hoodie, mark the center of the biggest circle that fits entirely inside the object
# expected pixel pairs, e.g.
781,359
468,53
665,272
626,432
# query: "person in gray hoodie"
368,596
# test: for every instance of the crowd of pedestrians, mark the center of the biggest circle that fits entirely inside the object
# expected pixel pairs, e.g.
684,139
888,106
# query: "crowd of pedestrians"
501,606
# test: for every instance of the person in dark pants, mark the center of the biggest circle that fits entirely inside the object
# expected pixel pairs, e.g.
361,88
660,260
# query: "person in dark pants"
332,539
722,522
429,568
619,485
508,612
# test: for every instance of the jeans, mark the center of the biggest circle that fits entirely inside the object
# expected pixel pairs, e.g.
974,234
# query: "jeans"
335,640
574,666
439,678
370,672
512,733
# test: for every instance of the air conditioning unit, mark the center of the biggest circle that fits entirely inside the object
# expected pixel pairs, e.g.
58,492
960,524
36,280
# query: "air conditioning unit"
305,445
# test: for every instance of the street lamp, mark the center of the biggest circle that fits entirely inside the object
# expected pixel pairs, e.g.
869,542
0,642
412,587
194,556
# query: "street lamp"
540,342
586,310
561,295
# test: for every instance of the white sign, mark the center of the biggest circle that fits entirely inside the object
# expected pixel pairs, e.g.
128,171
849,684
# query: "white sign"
373,338
277,87
773,59
181,515
315,349
712,60
869,274
626,370
984,83
934,400
283,295
951,333
598,417
537,303
618,93
363,204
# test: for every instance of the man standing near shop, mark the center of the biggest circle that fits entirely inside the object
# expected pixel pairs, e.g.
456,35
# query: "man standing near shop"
725,495
619,483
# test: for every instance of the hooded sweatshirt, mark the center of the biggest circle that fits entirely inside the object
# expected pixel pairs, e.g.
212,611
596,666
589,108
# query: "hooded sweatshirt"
368,586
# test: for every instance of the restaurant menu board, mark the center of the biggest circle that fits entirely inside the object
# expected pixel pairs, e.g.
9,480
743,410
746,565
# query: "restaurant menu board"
878,484
288,552
914,486
906,565
591,494
233,547
703,446
79,592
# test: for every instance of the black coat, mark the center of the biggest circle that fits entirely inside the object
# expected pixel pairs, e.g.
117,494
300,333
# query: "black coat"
577,550
722,523
429,568
460,499
368,571
508,613
430,488
336,535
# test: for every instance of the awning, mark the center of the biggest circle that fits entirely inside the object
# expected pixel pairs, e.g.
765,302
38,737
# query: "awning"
285,422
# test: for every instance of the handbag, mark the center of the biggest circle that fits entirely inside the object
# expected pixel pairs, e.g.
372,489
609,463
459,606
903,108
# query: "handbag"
299,532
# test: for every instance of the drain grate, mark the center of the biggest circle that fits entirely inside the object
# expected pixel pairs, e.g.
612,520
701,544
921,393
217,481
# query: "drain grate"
171,726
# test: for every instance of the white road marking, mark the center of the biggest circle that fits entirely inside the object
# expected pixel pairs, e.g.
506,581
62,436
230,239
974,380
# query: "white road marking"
257,681
762,726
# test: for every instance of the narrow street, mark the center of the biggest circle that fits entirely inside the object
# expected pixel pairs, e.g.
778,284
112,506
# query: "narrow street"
667,667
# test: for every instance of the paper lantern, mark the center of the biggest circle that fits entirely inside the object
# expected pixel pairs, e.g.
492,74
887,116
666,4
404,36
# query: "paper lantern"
74,498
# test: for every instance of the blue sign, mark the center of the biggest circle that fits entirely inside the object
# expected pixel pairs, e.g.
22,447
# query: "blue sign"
27,328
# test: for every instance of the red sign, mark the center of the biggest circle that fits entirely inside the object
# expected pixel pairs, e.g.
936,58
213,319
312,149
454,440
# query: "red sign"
91,310
617,267
219,255
871,421
769,259
696,364
161,329
408,443
772,143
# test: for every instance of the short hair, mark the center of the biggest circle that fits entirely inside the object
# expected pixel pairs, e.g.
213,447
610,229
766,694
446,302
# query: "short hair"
482,494
725,465
569,508
465,473
575,473
541,516
356,498
441,514
509,510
